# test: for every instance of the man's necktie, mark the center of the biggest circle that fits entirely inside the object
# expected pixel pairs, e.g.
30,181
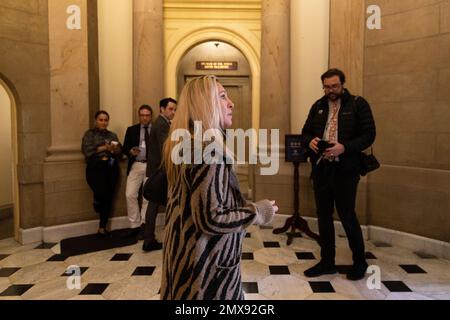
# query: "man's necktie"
147,139
332,136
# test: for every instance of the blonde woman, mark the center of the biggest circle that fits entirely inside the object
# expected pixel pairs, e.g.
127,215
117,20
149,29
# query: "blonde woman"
206,214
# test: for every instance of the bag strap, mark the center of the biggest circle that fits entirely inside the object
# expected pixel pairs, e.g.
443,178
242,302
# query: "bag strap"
355,109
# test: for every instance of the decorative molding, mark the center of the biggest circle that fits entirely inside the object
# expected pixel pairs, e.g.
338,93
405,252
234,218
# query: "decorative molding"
213,4
64,153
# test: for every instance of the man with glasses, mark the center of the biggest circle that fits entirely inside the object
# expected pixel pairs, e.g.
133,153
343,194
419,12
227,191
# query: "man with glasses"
135,147
339,127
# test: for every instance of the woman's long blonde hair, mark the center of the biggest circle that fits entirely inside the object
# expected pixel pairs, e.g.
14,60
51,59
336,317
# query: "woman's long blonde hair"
199,101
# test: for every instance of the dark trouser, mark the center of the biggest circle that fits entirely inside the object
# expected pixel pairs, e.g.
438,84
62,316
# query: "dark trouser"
150,222
102,177
333,187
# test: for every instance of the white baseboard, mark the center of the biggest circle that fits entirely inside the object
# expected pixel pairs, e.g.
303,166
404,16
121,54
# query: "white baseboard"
410,241
55,234
29,236
413,242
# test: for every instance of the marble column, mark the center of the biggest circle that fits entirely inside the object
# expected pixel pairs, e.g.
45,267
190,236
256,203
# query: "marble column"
310,30
275,99
347,31
73,97
275,66
148,53
73,55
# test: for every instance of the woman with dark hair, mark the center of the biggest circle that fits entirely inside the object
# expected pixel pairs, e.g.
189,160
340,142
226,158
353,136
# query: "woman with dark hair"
102,149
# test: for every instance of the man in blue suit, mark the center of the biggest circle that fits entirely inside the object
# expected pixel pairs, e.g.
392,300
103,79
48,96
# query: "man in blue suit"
158,136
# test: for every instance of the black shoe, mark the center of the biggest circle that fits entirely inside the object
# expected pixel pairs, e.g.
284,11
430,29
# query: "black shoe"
320,269
357,272
152,246
103,233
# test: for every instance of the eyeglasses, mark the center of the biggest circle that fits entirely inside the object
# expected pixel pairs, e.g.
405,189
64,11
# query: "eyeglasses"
332,87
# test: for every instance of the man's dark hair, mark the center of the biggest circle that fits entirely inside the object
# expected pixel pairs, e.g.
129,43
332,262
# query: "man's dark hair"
98,113
334,72
165,102
146,107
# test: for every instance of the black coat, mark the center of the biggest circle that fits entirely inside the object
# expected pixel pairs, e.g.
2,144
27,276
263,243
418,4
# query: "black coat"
132,139
356,129
158,135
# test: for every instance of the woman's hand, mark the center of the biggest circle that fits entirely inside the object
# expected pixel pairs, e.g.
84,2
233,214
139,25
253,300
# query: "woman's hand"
102,148
274,206
106,147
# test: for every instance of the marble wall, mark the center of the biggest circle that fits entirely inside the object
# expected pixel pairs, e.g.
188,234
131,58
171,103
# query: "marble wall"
402,70
24,65
407,81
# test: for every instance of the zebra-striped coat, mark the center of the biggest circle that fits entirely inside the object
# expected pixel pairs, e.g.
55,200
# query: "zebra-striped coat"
206,217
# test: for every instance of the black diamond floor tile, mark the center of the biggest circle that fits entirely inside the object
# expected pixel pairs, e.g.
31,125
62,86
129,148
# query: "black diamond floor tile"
421,255
71,273
305,256
144,271
279,270
412,268
250,287
370,256
16,290
46,246
6,272
3,256
247,256
248,235
271,244
94,289
396,286
57,257
121,257
321,287
381,244
343,269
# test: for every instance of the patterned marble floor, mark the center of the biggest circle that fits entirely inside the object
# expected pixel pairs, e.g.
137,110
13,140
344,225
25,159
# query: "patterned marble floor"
270,271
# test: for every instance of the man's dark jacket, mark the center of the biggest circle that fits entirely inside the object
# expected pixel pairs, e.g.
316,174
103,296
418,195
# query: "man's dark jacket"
158,135
356,129
132,139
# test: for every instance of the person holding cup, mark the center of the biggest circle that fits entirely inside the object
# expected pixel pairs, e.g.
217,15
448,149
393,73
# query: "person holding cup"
102,151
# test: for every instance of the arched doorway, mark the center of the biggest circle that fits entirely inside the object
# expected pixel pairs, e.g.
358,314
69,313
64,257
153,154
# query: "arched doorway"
9,197
233,69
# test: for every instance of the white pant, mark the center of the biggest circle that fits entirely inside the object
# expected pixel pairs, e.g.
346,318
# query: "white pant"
135,180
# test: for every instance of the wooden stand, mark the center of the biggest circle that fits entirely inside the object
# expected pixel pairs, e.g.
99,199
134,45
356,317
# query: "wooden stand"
296,222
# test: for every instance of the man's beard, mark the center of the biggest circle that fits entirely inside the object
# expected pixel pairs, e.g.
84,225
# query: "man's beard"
334,96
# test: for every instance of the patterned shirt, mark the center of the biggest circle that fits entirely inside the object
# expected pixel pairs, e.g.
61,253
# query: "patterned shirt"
95,138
